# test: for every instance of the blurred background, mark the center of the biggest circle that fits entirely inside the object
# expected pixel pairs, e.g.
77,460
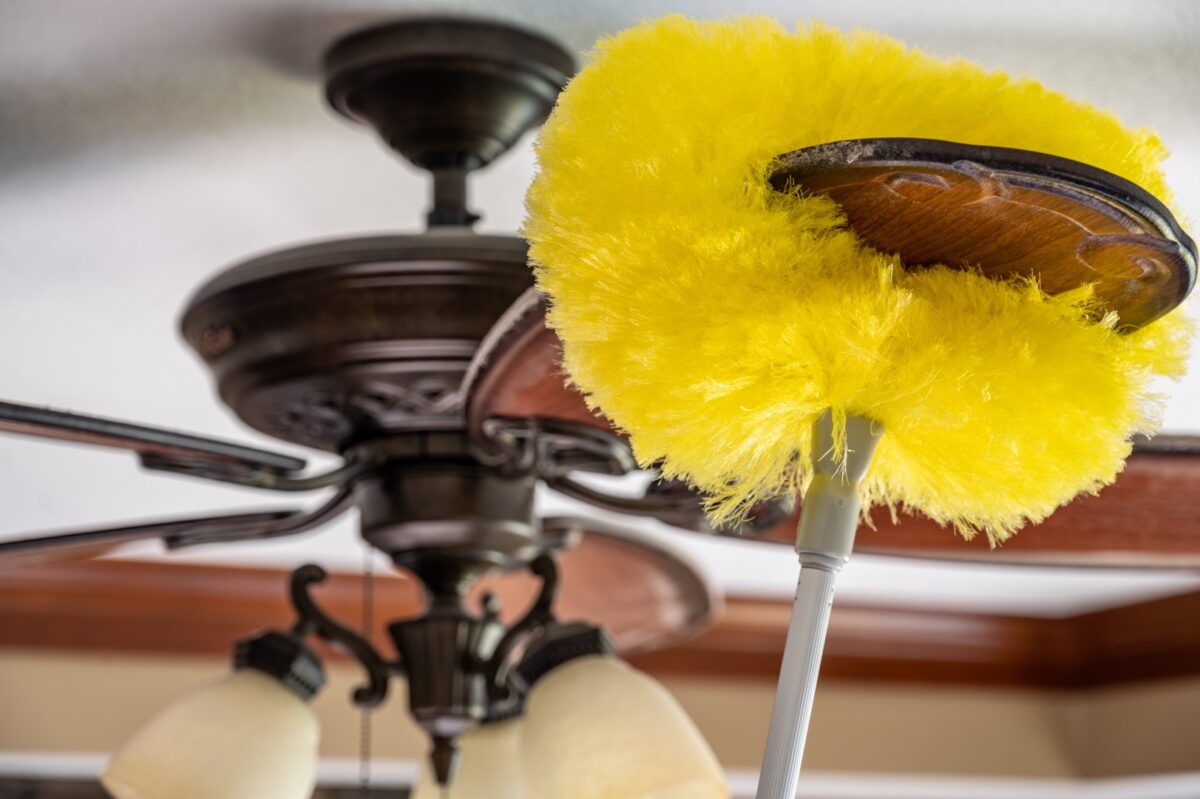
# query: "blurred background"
144,144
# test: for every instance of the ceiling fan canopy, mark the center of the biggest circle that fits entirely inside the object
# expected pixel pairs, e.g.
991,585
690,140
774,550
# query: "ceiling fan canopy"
447,93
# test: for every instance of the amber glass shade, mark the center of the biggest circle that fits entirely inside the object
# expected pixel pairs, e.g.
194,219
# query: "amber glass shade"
246,736
489,768
595,728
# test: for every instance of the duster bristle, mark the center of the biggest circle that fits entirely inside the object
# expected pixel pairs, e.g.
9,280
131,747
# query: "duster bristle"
713,319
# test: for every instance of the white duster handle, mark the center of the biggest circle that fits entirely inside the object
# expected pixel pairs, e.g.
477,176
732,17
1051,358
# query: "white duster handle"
824,541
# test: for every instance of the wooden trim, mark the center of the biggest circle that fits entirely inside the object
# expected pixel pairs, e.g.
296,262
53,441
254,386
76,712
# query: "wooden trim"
880,644
178,609
1150,518
1155,639
167,608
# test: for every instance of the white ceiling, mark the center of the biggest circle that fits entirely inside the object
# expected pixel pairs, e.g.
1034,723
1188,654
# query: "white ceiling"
145,143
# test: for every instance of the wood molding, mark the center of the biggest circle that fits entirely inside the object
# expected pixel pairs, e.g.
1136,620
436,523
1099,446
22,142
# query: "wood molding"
165,608
1150,518
881,644
178,609
1147,640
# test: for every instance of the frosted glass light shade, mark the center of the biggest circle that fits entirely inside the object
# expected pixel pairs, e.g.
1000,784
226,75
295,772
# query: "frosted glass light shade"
246,736
488,769
595,728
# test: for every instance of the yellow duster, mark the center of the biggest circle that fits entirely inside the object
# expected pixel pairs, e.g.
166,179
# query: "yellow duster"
713,319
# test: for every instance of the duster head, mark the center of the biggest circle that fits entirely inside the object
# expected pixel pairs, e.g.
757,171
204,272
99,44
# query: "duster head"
713,318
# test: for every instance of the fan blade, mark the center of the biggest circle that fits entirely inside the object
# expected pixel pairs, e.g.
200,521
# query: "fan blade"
1149,518
1167,444
177,534
93,543
150,442
517,372
514,389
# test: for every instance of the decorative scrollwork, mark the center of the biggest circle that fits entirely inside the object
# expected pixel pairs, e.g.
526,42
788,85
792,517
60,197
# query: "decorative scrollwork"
314,621
552,447
539,616
315,416
392,404
428,395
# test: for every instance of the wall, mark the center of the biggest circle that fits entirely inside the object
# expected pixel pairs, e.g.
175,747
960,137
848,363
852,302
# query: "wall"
77,703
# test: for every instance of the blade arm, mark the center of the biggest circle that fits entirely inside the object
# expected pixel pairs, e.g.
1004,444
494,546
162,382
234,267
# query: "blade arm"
293,524
152,442
251,476
673,503
176,534
90,543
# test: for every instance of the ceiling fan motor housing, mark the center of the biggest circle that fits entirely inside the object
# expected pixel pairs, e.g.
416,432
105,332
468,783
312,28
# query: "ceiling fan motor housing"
331,344
360,346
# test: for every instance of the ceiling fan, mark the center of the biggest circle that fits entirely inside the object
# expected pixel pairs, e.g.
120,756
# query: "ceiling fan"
424,362
382,350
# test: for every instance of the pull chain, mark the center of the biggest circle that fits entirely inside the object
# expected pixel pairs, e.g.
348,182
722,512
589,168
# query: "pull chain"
368,622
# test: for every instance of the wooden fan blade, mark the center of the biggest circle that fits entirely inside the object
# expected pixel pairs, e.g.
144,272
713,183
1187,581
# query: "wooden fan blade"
645,594
57,547
517,372
155,442
1007,213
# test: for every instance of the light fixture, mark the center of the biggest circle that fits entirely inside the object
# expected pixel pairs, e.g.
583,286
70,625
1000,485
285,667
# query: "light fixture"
233,739
250,735
590,727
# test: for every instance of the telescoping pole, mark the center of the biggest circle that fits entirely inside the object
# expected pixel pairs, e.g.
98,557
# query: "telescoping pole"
824,541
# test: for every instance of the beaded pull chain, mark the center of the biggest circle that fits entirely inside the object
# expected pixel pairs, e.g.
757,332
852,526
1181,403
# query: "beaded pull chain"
364,728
